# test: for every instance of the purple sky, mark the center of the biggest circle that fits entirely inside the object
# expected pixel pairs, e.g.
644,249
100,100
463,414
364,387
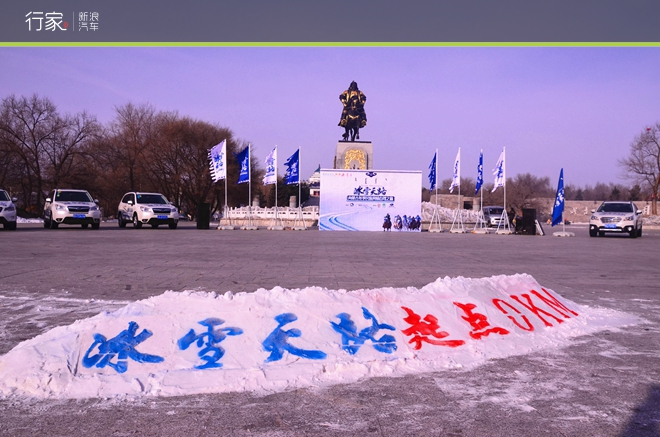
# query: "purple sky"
577,108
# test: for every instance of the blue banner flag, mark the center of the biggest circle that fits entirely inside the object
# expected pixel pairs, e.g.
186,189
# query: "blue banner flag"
243,159
558,209
480,173
292,175
432,175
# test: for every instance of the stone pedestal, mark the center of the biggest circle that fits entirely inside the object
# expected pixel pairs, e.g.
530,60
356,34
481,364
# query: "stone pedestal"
354,155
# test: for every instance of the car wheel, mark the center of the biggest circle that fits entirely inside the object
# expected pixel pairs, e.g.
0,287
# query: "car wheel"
137,224
84,225
172,225
593,233
121,221
154,225
46,223
639,232
633,233
52,224
601,234
96,225
10,226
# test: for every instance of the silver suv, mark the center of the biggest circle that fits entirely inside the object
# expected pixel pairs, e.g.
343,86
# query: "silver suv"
7,210
146,208
616,217
493,215
71,207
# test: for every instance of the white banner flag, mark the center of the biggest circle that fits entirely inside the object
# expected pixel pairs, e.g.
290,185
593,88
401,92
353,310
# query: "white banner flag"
218,161
498,172
456,177
271,168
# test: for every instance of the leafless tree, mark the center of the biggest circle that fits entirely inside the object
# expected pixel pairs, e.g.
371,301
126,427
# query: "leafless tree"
527,191
467,186
176,164
643,163
46,144
522,191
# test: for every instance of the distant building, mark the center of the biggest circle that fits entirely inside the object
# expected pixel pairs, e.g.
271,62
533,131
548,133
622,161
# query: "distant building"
315,183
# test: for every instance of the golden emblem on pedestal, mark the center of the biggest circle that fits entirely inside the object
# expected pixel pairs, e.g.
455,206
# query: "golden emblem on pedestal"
354,155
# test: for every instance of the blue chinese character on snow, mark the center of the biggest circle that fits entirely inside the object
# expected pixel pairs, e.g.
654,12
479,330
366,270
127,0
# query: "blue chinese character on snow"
211,352
352,341
277,342
122,347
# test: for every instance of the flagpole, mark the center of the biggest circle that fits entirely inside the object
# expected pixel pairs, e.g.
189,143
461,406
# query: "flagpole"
249,226
459,178
299,215
276,185
457,223
563,220
434,188
505,213
226,212
436,191
481,191
480,226
436,180
249,185
504,218
559,204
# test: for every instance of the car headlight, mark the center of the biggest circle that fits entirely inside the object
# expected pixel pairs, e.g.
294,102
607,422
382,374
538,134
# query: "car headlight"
630,218
145,209
94,208
10,208
174,210
61,207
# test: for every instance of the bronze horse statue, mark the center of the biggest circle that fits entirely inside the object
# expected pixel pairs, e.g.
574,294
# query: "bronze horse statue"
353,116
353,122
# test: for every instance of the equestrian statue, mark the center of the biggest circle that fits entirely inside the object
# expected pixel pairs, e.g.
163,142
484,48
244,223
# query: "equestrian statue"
353,116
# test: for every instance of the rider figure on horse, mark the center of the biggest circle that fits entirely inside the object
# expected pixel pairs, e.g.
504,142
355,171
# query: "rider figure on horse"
355,99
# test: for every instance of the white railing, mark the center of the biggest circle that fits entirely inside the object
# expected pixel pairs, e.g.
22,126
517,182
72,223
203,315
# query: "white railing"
310,213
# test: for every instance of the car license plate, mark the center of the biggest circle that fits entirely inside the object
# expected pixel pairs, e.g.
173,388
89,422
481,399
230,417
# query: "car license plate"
162,217
79,216
610,226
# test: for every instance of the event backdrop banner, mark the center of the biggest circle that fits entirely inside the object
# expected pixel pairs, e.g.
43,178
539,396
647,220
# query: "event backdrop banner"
359,200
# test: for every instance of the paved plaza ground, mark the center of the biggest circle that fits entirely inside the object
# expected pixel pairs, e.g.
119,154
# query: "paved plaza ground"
605,384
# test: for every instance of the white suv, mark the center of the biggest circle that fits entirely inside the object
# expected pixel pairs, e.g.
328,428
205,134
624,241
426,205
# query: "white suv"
146,208
71,207
618,217
493,215
7,210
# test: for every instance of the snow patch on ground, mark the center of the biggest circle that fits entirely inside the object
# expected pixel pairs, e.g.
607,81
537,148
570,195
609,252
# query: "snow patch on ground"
28,220
280,339
447,214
